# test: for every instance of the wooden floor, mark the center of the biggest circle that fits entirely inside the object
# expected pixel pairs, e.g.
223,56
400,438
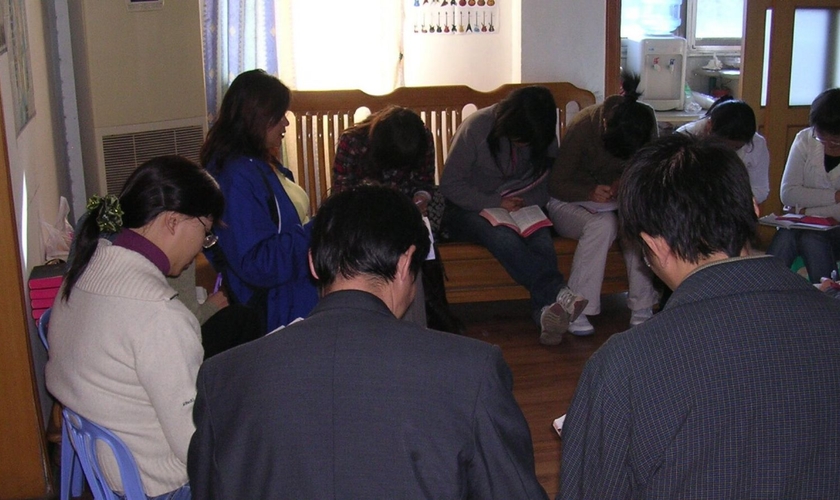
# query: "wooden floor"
544,378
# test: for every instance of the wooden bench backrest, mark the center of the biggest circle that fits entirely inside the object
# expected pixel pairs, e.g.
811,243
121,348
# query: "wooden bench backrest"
320,116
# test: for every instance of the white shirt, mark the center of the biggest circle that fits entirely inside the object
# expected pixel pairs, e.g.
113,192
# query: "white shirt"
756,158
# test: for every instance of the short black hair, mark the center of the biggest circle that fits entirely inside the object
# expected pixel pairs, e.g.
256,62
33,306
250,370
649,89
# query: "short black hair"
693,192
825,112
732,119
396,139
364,231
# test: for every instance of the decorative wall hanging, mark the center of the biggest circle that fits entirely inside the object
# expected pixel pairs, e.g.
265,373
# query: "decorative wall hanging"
455,17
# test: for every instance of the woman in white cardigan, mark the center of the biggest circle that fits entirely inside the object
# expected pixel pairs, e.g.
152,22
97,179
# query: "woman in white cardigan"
123,352
811,186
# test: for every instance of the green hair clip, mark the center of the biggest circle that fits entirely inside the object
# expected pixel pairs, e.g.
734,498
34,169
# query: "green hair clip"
108,212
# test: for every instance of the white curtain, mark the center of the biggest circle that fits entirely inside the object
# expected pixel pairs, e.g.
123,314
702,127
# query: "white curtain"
337,44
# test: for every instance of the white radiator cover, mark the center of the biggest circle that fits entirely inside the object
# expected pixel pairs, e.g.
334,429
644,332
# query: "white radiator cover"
123,149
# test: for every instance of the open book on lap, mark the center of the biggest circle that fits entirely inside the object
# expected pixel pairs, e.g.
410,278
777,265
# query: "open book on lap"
796,221
524,221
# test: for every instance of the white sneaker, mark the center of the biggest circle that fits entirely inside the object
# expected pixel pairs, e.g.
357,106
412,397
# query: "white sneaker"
571,302
581,327
640,316
554,321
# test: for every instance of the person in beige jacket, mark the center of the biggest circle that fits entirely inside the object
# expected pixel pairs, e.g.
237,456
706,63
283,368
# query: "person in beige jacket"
123,352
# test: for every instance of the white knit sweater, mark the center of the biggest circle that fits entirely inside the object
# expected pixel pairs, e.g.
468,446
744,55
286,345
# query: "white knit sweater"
125,355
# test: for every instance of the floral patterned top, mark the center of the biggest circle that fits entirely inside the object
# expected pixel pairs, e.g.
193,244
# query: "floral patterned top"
348,170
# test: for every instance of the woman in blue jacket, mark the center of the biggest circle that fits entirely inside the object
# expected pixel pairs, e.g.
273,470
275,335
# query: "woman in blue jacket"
264,235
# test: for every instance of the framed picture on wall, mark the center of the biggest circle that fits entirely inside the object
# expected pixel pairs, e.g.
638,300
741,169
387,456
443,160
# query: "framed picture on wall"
23,89
4,15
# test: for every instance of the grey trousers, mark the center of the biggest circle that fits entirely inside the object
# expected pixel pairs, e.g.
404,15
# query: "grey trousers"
595,233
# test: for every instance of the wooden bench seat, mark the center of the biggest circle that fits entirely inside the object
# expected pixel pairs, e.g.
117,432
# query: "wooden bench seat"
473,275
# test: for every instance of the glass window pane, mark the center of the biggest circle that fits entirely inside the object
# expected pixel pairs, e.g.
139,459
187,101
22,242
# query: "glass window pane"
649,17
720,19
768,23
815,54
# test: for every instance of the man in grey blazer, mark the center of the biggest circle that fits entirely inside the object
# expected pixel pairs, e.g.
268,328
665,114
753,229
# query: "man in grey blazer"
731,391
353,403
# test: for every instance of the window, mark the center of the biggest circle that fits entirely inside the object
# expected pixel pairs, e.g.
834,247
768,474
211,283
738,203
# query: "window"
715,24
707,25
815,65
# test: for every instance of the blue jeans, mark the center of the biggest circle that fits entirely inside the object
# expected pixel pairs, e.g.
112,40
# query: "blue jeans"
819,250
182,493
530,261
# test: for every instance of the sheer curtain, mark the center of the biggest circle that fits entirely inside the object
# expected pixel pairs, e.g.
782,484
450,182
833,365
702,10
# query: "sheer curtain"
336,44
238,35
321,45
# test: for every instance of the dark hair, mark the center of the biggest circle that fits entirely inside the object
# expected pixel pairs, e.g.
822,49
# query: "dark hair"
254,102
732,119
630,124
363,231
825,112
693,192
527,115
166,183
396,138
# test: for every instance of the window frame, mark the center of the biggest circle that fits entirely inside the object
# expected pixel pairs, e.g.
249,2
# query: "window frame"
700,45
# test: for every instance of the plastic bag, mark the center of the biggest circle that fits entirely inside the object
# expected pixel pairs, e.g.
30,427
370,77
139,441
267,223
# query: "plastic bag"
57,237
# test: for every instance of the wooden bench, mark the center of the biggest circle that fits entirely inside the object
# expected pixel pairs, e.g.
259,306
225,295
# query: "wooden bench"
319,117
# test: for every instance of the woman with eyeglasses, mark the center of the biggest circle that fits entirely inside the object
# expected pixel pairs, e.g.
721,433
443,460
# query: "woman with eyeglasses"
811,186
124,353
263,245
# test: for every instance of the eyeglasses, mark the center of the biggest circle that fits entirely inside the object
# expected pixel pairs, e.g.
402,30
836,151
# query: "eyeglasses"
825,142
210,239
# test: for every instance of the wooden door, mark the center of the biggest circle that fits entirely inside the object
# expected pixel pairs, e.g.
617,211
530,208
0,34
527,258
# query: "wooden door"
778,121
23,459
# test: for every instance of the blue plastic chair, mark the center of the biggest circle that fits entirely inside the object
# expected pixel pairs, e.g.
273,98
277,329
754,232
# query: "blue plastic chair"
84,434
43,324
72,481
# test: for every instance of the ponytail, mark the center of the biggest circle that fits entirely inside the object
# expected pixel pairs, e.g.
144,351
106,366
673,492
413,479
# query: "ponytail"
104,215
630,124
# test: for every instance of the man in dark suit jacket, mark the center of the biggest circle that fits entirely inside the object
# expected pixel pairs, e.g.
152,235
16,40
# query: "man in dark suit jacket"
353,403
733,390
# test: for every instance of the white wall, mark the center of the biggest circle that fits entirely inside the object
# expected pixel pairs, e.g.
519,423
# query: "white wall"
481,61
536,41
564,40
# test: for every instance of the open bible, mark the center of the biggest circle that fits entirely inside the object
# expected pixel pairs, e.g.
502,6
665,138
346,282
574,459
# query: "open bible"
796,221
524,221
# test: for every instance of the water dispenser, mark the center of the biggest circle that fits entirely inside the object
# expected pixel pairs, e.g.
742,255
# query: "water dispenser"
660,63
